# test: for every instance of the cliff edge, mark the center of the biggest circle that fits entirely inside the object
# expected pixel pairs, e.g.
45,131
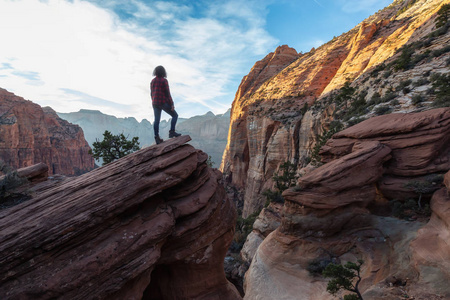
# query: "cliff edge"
155,224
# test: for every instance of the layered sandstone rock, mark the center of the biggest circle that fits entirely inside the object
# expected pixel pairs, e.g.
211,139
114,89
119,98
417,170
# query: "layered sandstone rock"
420,144
155,224
431,248
268,126
32,135
326,217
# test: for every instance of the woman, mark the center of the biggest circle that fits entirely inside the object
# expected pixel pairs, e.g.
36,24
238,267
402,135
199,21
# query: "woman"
162,100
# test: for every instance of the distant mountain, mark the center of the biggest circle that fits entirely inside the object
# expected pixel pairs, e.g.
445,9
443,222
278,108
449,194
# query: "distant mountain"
208,132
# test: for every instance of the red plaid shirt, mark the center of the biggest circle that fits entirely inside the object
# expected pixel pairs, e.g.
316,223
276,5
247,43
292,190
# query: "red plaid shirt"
159,90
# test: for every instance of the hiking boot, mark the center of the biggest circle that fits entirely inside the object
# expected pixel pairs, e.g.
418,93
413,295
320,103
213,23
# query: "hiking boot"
158,140
173,134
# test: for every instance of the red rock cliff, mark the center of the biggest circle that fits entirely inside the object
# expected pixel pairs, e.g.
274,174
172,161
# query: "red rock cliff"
31,134
268,126
155,224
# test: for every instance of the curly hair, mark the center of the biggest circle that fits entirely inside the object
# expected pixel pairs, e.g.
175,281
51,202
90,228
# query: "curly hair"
160,72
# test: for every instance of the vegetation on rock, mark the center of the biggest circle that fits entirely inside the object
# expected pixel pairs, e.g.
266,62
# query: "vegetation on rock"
113,147
284,178
343,277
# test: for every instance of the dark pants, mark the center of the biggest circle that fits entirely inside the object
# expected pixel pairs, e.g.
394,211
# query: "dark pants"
157,112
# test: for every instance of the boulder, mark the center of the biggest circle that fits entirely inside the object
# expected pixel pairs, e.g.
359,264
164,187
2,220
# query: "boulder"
155,224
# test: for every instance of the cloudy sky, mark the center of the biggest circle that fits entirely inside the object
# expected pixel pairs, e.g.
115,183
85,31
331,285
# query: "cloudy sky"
100,54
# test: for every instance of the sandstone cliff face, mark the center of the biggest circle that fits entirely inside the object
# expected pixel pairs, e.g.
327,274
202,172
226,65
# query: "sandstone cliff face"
155,224
268,125
208,132
329,215
31,134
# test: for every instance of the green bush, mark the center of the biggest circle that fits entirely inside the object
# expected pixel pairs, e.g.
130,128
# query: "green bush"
382,110
441,89
416,99
442,16
317,266
403,84
355,121
113,147
388,96
243,228
284,178
335,127
420,82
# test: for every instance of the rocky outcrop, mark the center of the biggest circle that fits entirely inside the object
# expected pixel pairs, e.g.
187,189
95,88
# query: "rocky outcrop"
270,122
31,135
208,132
155,224
431,250
327,216
419,142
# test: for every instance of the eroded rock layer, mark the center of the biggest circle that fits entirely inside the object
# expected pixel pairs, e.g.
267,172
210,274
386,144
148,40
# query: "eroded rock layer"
327,216
32,135
155,224
288,101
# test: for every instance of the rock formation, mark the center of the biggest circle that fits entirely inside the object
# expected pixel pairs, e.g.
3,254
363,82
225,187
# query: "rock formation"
419,142
31,135
155,224
270,122
208,132
327,216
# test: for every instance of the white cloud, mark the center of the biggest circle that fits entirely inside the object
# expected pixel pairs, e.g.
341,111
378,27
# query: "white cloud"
58,46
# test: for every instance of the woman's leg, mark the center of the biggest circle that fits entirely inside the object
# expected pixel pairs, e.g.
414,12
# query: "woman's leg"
157,113
173,114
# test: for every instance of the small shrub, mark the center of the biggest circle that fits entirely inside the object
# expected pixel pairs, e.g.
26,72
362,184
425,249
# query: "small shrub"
394,102
375,99
443,15
388,96
420,82
335,127
439,52
441,88
317,266
387,73
355,121
403,84
377,70
382,110
416,99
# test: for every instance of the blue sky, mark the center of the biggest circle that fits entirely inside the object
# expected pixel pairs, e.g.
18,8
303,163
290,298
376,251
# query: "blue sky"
100,54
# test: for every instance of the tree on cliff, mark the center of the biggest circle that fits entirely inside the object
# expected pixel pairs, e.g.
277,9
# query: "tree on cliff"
284,178
342,278
113,147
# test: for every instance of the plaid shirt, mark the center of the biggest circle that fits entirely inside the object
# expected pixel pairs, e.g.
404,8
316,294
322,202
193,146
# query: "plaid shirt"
159,90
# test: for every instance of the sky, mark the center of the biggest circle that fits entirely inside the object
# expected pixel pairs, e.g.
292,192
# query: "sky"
100,55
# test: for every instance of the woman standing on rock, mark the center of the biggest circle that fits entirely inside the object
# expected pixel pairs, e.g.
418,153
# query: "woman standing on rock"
162,100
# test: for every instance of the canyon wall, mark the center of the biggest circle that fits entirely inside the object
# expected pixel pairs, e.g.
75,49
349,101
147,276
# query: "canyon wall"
337,213
30,134
288,100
